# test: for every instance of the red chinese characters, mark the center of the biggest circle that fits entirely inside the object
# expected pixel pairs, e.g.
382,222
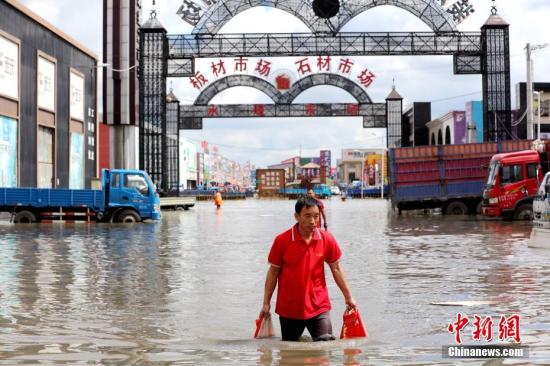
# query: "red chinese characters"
263,68
213,110
218,68
310,109
483,328
259,110
352,109
508,327
457,327
345,66
199,80
303,66
240,63
323,63
366,78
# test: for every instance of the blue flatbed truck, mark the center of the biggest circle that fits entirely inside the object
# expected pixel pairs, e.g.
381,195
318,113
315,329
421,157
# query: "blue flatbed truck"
126,196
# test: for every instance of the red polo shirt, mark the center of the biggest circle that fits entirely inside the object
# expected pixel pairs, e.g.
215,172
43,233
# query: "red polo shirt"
302,289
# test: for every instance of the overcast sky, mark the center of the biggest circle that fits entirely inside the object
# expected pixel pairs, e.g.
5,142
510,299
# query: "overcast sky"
266,141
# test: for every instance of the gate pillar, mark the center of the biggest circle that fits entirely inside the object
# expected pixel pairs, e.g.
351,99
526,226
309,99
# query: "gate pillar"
152,106
497,104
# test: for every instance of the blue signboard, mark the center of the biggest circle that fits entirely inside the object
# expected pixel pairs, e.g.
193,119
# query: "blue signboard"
8,152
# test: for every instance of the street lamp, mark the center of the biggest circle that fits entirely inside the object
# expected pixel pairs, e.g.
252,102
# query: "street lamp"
539,97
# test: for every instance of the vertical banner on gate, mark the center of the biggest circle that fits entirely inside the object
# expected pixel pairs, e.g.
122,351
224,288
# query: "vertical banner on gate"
325,166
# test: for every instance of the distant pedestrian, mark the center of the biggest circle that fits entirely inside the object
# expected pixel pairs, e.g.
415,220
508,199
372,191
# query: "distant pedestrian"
311,194
218,201
297,259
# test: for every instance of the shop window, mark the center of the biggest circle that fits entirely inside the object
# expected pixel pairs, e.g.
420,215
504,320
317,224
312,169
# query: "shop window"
46,154
8,152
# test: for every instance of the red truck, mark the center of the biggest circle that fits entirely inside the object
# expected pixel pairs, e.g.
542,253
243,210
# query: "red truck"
449,177
513,181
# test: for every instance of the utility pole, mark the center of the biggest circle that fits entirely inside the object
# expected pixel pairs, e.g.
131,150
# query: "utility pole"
529,92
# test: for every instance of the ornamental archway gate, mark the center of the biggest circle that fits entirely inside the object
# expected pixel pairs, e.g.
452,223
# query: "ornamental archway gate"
161,56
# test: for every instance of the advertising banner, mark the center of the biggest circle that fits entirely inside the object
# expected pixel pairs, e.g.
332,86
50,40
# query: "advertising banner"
460,127
544,108
8,152
325,162
77,96
9,68
46,84
76,168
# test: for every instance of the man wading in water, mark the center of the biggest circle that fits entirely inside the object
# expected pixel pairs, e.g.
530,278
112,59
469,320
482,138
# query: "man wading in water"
297,260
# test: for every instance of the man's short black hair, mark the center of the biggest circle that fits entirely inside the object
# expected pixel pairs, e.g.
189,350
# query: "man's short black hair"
305,201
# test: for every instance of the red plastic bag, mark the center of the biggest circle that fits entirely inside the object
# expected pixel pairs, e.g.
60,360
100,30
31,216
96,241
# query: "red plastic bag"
352,326
264,327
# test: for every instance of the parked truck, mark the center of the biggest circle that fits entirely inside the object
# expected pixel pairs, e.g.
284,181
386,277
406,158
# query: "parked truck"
449,177
513,181
125,196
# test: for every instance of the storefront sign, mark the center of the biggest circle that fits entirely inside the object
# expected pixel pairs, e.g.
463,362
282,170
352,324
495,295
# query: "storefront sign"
9,68
46,84
77,96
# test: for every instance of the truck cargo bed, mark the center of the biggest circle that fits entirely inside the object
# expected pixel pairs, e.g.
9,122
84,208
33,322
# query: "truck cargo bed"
44,198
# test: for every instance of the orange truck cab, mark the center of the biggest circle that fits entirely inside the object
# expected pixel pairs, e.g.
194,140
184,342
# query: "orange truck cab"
513,181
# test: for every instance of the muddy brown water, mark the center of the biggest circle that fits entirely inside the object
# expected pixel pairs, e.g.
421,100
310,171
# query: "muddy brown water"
186,290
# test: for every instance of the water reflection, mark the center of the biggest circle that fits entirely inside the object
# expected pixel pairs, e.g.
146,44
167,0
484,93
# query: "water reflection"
187,289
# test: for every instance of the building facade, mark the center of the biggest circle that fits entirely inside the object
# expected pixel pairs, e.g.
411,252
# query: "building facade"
362,165
474,121
48,104
448,129
415,132
188,163
520,122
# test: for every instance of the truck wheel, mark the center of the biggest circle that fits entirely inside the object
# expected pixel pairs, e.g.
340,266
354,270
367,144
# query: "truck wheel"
524,212
128,217
24,217
456,208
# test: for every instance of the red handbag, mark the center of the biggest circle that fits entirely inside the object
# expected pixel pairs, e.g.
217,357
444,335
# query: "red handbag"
264,327
352,326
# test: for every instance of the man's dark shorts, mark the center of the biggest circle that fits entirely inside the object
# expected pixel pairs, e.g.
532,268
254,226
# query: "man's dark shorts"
320,328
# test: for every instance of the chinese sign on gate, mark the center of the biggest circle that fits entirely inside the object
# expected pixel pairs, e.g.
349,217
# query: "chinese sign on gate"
283,79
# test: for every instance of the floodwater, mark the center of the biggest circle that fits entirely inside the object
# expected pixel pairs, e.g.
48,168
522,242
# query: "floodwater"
188,289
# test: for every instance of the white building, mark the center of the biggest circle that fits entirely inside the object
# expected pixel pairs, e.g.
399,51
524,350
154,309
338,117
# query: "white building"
448,129
188,163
